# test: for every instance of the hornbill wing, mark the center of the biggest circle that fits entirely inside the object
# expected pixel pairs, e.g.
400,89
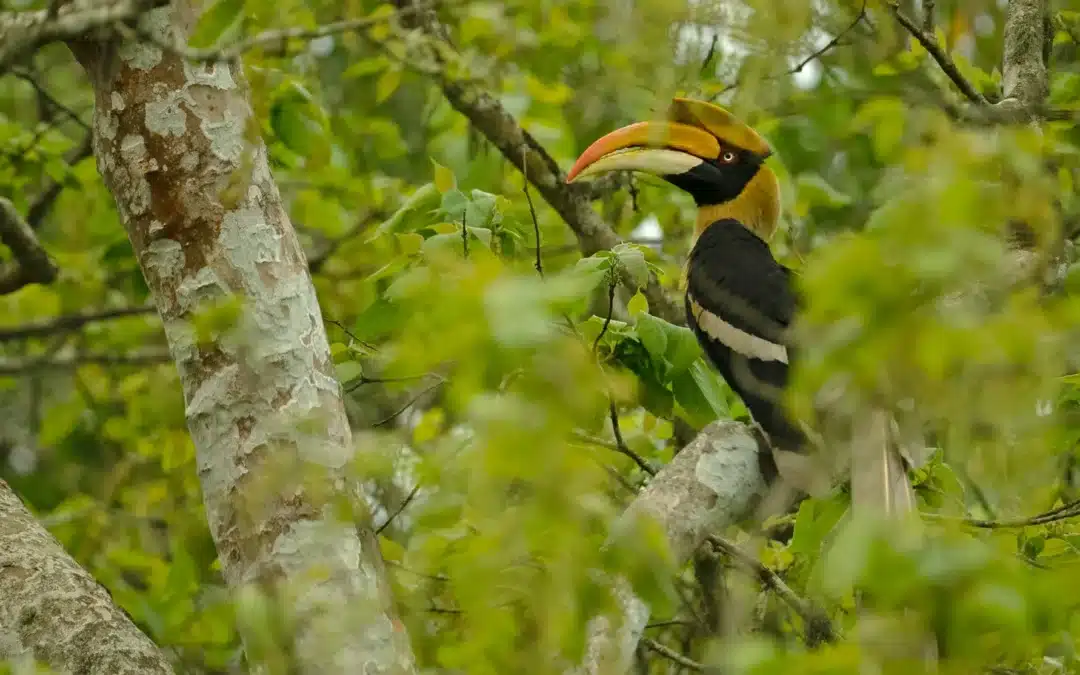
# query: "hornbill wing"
740,303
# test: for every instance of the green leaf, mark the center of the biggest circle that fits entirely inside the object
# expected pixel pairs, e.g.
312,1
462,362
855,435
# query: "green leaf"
483,210
454,205
364,67
653,336
387,84
699,394
631,259
348,371
419,203
637,305
215,22
297,122
444,178
683,348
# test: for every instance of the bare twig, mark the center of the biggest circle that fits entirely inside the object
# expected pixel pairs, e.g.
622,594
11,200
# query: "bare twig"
931,45
316,262
71,322
532,211
397,512
29,78
363,379
834,42
818,626
41,205
392,416
672,655
816,54
1063,512
32,264
620,445
612,285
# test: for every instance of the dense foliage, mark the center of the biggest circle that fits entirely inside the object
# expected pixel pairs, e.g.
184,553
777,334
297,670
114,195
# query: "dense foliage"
483,354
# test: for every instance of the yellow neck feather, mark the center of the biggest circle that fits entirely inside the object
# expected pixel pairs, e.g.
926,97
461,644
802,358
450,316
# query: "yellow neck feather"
757,207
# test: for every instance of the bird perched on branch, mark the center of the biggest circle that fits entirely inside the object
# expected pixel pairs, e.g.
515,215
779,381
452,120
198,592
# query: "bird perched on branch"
740,302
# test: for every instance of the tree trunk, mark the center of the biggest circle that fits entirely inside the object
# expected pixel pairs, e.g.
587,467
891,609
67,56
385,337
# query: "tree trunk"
52,610
204,216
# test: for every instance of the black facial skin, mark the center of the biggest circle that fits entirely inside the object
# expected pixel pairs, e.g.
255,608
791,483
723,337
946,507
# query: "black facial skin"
714,182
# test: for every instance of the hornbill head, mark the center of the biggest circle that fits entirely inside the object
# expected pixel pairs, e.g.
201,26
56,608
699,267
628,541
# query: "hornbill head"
702,149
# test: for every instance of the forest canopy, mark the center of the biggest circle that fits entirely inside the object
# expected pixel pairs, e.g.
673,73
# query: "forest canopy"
267,269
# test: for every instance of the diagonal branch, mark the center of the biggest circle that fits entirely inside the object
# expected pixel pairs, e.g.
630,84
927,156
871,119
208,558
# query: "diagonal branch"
524,153
32,263
931,45
22,32
71,322
50,606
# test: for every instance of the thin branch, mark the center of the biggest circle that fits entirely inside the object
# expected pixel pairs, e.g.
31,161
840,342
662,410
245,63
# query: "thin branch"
674,656
71,322
441,61
316,262
408,404
29,78
818,626
397,512
1063,512
620,444
834,42
32,264
282,36
341,326
931,45
532,211
43,203
363,379
23,32
612,285
149,357
816,54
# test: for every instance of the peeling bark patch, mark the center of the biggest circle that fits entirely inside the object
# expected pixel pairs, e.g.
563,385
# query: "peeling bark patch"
226,138
214,75
166,117
201,287
165,257
140,55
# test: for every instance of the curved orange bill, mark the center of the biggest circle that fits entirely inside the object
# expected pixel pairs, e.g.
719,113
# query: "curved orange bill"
672,136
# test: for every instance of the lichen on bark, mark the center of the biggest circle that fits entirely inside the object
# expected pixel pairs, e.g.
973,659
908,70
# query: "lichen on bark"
263,406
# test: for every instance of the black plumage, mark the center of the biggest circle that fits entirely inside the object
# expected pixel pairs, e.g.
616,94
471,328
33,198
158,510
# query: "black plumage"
732,276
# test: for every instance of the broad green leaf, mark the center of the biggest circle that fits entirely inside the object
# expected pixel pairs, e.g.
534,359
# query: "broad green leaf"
444,178
387,84
637,305
413,213
632,261
653,336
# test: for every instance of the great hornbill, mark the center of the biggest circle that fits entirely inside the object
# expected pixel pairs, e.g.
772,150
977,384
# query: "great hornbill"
740,302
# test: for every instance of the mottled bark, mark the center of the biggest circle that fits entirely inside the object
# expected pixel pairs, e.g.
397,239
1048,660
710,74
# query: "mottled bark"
174,142
712,483
53,612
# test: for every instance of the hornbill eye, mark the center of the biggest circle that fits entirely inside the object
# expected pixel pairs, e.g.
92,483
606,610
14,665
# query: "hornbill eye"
728,157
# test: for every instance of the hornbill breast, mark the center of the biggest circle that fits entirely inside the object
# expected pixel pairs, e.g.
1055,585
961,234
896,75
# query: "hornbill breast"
740,303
